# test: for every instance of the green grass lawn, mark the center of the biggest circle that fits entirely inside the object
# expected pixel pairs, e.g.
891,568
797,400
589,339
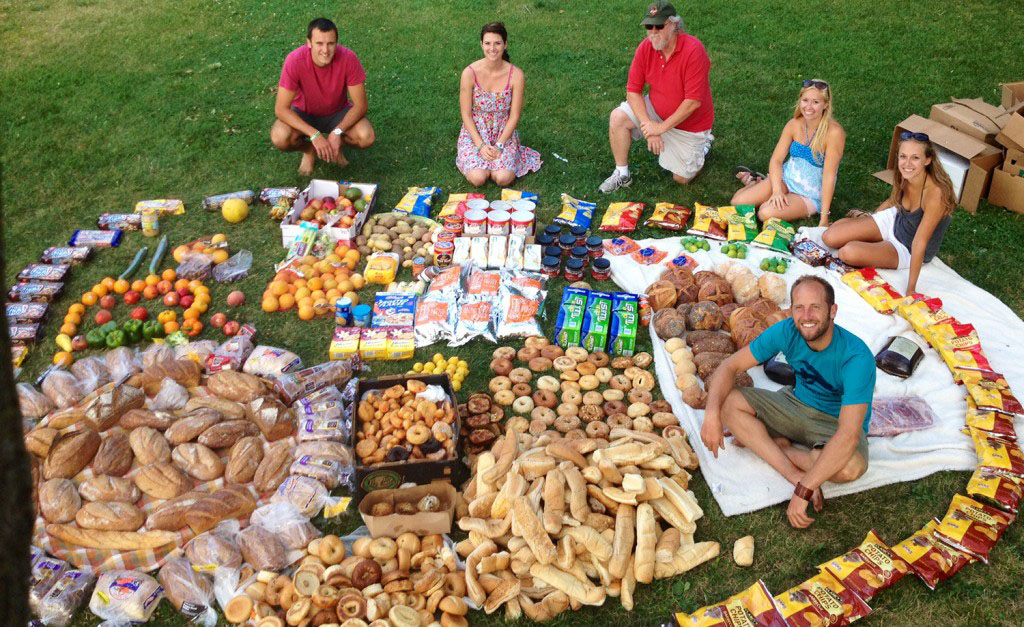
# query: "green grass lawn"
108,103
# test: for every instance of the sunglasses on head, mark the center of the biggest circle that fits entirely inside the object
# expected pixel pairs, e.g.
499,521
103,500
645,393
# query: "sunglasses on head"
822,85
654,26
921,137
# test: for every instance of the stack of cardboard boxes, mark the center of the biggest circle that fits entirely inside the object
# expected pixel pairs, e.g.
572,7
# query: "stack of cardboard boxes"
1008,181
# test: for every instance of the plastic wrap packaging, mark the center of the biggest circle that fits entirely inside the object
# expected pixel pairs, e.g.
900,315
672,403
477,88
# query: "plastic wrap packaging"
317,429
233,352
1001,489
62,388
215,550
775,235
198,352
755,605
262,549
234,269
307,495
810,252
575,212
821,600
287,523
332,449
125,596
308,405
326,470
520,303
35,291
295,385
268,361
869,568
155,353
195,266
448,282
894,415
474,321
44,574
669,216
436,317
59,605
172,395
190,592
122,363
32,402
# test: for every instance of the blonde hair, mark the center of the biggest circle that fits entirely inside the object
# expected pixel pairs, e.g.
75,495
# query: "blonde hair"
821,133
934,170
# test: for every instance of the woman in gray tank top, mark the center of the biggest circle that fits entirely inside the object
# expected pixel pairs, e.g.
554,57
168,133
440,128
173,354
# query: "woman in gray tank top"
907,228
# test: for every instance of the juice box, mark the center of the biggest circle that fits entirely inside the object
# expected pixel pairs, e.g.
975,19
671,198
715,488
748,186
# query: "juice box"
373,344
569,323
624,322
597,321
344,344
393,309
401,343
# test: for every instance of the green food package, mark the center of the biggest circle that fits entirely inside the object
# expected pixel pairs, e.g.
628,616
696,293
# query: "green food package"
569,323
624,324
741,222
776,235
597,321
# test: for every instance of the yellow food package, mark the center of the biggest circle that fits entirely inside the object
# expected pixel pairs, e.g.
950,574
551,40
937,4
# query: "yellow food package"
999,425
923,313
932,561
996,454
872,288
373,344
1000,488
401,343
991,392
381,268
344,344
163,206
972,526
708,222
821,600
754,607
870,567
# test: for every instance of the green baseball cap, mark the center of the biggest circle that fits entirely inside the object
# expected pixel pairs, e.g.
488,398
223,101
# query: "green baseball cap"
658,12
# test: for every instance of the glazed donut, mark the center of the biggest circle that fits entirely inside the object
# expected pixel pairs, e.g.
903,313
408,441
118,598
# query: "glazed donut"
527,353
417,434
586,368
577,353
519,424
619,421
637,395
272,594
604,375
539,364
351,606
575,434
522,389
499,383
589,382
552,351
332,550
614,407
612,395
567,423
545,398
537,341
409,541
361,546
523,405
544,414
643,424
366,573
572,397
547,382
598,429
504,352
599,358
538,427
383,549
564,363
325,596
455,585
621,382
520,375
643,359
567,409
504,397
593,397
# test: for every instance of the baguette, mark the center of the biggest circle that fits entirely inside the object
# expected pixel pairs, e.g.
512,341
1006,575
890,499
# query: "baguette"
622,542
185,371
170,515
109,403
115,540
229,502
646,539
531,529
110,516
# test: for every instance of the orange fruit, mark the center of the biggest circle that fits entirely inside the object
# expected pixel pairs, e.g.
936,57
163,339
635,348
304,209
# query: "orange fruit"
309,259
169,274
220,255
318,294
191,313
302,292
170,327
315,283
286,301
270,304
193,285
180,252
334,257
121,286
351,263
201,289
305,301
108,282
292,288
100,289
358,281
181,284
299,282
62,358
77,308
353,296
138,285
277,287
69,329
150,292
202,306
347,286
152,279
333,295
89,299
306,312
72,318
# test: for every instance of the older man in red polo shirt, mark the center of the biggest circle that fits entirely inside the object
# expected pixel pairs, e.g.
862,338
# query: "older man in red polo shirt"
321,100
676,115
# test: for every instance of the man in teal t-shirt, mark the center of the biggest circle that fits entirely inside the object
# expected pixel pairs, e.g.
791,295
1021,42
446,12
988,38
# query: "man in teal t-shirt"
828,410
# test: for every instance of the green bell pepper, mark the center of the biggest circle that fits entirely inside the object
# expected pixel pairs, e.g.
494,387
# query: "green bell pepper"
177,338
115,339
151,329
132,330
108,327
95,338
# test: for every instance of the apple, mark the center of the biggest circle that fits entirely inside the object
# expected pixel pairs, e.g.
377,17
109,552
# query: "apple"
139,313
218,320
329,204
231,327
186,301
131,297
316,204
164,286
236,299
171,299
107,302
103,316
183,292
78,343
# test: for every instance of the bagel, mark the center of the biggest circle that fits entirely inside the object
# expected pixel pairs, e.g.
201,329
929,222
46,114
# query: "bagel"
577,353
643,360
619,421
519,424
431,542
537,341
621,382
643,424
409,541
288,596
664,419
238,609
564,363
599,358
455,585
545,398
547,382
539,364
504,352
569,375
598,429
644,380
522,389
638,395
523,405
612,395
325,596
552,351
604,375
575,434
272,594
573,397
586,368
544,414
567,423
527,353
660,406
361,546
593,397
520,375
589,382
351,606
590,413
305,582
504,397
614,407
501,366
418,434
499,383
668,432
537,427
366,573
383,549
567,409
622,362
570,385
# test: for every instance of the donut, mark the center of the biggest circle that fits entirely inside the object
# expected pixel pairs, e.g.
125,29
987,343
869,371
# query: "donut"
621,382
547,382
567,409
619,421
545,398
567,423
522,389
519,424
537,341
539,364
417,434
504,397
498,383
332,550
586,368
637,395
272,595
577,353
575,434
442,431
527,353
351,606
643,359
572,397
520,375
383,549
325,596
597,429
544,414
593,397
599,358
537,427
564,363
589,382
523,405
366,447
504,352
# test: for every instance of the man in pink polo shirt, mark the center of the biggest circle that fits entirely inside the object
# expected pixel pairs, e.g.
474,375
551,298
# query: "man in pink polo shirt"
676,115
321,100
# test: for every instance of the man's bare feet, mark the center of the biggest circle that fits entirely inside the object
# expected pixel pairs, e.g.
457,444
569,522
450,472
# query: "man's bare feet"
306,165
340,159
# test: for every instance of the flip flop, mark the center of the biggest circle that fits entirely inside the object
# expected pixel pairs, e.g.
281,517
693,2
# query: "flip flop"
756,176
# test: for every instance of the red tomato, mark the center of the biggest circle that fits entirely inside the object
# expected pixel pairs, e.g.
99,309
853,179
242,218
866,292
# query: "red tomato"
131,297
140,313
103,316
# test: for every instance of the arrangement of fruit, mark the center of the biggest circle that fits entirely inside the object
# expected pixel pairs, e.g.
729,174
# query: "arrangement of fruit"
456,368
216,246
311,285
693,244
321,211
734,250
774,264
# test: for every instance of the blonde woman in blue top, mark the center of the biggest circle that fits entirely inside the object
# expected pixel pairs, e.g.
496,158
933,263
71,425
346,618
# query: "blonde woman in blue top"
801,185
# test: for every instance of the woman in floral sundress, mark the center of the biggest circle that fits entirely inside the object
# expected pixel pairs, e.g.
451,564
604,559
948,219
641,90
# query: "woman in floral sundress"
491,99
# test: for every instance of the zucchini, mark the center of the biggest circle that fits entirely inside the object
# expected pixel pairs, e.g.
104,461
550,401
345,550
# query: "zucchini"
161,250
134,265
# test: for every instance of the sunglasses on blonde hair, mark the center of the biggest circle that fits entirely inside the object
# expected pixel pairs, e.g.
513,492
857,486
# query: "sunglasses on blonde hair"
822,85
921,137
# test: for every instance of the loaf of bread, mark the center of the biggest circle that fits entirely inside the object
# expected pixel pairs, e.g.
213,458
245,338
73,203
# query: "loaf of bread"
244,459
64,418
70,453
236,386
162,480
274,468
116,540
149,445
136,418
275,420
183,585
107,488
170,515
185,371
225,434
188,428
198,461
228,502
110,516
114,456
229,409
59,500
325,448
39,440
262,549
107,404
209,550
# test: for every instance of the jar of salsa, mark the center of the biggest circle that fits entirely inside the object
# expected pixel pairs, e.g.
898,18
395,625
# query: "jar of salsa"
596,246
549,267
581,253
543,240
601,270
580,233
574,270
553,251
566,243
554,230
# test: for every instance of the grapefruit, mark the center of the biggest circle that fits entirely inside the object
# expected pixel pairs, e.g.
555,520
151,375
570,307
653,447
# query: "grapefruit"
234,210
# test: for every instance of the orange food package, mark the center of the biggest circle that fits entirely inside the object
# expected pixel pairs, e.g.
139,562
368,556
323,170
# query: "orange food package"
999,425
1001,489
754,607
708,222
972,526
821,600
932,561
997,454
870,567
648,256
620,245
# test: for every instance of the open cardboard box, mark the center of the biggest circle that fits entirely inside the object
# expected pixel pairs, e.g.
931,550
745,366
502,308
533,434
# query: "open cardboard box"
971,116
1008,183
1012,135
981,157
1013,95
319,188
420,523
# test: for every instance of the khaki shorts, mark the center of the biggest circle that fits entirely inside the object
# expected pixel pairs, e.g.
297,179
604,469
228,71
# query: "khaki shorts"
684,151
785,415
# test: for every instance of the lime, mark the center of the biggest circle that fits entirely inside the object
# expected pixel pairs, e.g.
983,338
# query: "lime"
732,253
742,254
764,265
782,268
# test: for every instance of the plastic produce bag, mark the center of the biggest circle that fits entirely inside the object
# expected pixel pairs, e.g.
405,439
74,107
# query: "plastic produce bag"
190,592
899,414
155,353
125,596
262,549
215,550
62,388
91,373
288,523
268,361
59,605
307,495
195,266
170,397
234,269
33,403
122,363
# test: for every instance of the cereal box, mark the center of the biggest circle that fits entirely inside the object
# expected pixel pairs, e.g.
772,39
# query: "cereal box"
394,309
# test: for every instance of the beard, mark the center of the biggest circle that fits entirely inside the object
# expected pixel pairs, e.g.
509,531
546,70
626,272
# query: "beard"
810,335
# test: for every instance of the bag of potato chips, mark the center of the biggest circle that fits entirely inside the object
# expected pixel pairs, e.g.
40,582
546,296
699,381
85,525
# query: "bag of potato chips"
821,600
991,392
775,235
972,526
870,567
998,455
669,216
622,217
999,425
708,222
741,222
872,288
754,607
932,561
999,488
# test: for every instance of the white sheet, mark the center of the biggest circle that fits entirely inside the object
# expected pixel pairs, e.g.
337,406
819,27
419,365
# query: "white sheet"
741,482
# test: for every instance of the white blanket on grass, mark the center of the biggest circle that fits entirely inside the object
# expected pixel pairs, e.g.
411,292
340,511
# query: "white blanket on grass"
741,482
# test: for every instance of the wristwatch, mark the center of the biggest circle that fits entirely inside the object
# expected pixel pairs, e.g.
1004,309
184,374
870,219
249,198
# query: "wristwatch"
500,147
337,131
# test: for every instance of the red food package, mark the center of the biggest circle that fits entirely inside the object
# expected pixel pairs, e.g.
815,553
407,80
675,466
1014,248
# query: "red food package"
685,261
620,246
996,454
991,392
708,222
999,488
669,216
870,567
821,600
972,526
621,217
932,561
754,607
648,256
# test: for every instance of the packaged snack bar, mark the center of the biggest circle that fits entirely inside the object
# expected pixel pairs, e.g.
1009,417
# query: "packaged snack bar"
990,392
532,257
417,201
373,344
516,248
620,246
44,574
776,235
401,343
26,312
163,206
621,217
669,217
708,222
809,252
997,455
59,605
999,425
435,320
569,323
821,600
344,343
122,221
932,561
295,385
271,195
597,321
496,250
73,255
972,526
474,320
483,284
869,568
625,319
754,607
381,268
394,309
648,256
741,222
95,239
214,203
44,272
837,266
519,304
23,333
575,212
998,488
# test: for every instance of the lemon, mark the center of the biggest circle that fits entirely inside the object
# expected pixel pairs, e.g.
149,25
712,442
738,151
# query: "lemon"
453,360
437,357
417,367
456,385
463,364
428,369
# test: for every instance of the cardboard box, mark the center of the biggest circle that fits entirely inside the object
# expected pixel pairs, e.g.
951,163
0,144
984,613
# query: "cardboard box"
421,523
971,116
390,475
1014,162
1007,191
1012,135
1013,95
319,188
981,157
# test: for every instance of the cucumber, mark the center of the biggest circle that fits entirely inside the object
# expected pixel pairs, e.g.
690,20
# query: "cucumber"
134,265
161,250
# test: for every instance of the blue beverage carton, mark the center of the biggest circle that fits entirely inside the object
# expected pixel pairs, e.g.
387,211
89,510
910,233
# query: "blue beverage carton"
625,320
569,323
597,321
393,309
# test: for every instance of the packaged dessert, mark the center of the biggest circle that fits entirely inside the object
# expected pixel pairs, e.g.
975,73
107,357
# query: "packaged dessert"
998,488
381,268
775,235
669,216
496,251
931,560
532,257
417,201
996,454
753,607
741,222
44,272
708,222
575,212
869,568
26,312
214,203
435,320
271,195
809,252
621,217
474,320
899,357
73,255
625,320
59,605
821,600
122,221
401,343
95,239
344,343
835,265
999,425
620,246
972,526
569,322
233,352
26,333
163,206
514,255
393,309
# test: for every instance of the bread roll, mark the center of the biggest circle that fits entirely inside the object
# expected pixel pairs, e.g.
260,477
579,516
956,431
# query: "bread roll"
245,458
162,480
274,468
39,440
188,428
236,386
110,516
149,445
59,500
228,502
107,488
274,419
170,515
198,461
211,550
116,540
106,405
70,453
114,456
226,433
136,418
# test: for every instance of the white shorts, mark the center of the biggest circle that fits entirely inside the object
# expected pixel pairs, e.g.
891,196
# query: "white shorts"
684,151
885,220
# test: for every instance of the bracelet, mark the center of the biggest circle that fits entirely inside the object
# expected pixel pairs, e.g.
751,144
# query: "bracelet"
314,136
803,491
